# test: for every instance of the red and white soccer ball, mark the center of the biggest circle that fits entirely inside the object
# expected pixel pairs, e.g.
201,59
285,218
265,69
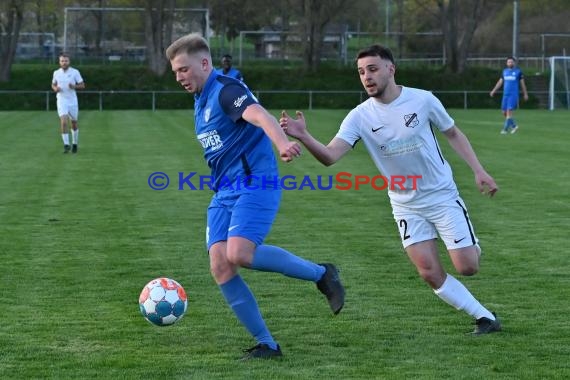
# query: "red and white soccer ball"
163,301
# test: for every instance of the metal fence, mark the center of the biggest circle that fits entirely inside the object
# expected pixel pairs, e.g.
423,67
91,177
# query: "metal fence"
271,99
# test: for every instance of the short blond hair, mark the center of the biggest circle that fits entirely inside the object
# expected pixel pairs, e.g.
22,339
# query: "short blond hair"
190,44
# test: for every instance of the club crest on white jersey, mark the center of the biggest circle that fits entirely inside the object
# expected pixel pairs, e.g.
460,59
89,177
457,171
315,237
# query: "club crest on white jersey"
411,120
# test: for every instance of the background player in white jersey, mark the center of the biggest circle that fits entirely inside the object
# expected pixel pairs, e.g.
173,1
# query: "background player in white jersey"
65,81
395,124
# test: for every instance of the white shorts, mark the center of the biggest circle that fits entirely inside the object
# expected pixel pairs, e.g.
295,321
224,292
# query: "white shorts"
448,220
64,109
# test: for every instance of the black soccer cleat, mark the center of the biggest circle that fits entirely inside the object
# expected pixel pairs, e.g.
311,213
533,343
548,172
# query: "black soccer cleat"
486,326
261,351
66,149
74,148
332,288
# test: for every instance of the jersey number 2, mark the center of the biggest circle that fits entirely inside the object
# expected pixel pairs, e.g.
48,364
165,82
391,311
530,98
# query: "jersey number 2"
404,225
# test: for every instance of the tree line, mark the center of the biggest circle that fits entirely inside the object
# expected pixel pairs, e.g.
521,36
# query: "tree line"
460,26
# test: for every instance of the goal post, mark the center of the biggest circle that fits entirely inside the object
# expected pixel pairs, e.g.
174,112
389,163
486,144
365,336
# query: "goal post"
559,88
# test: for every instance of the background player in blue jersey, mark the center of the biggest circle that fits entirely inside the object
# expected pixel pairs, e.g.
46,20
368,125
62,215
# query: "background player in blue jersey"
236,133
510,79
227,68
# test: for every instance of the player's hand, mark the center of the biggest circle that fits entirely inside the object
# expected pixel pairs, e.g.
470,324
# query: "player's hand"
293,127
526,97
57,89
486,184
72,86
491,94
289,151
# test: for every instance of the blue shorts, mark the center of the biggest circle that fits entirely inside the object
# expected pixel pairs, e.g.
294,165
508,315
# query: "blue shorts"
248,214
510,102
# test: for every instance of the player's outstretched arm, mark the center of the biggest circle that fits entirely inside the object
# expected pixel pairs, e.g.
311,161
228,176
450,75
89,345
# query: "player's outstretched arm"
462,146
297,128
260,117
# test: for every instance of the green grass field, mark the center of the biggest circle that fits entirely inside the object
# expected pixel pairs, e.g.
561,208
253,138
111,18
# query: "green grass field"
81,234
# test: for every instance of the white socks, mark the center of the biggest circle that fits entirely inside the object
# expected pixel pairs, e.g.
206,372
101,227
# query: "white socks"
74,135
455,294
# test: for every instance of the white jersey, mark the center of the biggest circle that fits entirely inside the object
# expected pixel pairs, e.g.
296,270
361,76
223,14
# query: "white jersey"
400,139
63,79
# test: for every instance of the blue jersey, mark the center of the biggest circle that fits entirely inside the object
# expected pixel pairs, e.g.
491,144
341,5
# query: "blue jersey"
232,73
233,148
511,80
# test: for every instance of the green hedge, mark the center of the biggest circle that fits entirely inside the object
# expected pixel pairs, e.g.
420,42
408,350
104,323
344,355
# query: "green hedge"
258,76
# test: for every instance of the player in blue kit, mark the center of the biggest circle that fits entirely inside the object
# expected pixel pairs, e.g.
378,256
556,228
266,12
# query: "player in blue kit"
228,70
510,79
236,133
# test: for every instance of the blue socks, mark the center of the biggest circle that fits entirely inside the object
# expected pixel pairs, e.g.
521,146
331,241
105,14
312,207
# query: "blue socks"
269,258
510,122
266,258
241,300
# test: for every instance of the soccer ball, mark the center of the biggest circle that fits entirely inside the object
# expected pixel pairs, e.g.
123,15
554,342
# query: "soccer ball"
163,301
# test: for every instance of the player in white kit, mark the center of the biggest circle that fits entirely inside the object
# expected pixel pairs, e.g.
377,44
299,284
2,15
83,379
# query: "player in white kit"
65,81
396,124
